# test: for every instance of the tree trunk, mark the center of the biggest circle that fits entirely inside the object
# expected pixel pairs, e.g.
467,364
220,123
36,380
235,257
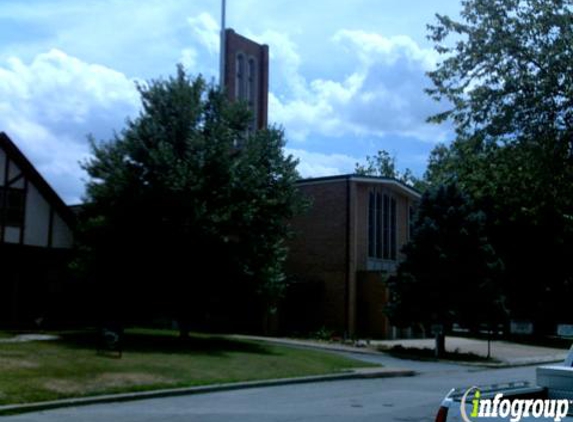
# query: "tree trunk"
183,329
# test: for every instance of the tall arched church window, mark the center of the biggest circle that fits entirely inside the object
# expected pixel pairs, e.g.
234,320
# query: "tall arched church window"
240,77
252,88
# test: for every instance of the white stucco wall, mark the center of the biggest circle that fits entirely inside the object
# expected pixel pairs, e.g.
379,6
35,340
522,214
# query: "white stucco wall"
36,215
14,171
37,221
61,234
2,164
12,235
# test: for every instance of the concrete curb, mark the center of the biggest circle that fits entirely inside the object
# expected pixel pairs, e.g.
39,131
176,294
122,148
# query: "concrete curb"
360,373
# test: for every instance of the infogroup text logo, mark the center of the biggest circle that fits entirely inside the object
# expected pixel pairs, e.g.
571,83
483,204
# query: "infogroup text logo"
515,409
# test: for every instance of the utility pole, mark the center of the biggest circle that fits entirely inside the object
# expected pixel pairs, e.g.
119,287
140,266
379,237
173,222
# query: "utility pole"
222,52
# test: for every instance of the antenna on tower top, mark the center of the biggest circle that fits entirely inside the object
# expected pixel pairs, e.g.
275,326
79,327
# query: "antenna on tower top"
222,52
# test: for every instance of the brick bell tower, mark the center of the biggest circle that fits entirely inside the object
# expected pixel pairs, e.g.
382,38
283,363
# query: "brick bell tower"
245,74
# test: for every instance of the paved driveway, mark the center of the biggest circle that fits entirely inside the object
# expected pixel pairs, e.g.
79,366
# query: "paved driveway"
392,399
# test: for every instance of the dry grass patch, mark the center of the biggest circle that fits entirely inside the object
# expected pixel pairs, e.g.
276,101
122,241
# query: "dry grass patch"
12,363
111,380
63,386
105,382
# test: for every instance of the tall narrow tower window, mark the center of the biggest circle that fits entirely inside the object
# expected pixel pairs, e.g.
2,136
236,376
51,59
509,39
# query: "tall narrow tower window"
386,230
378,225
372,224
252,89
393,246
240,77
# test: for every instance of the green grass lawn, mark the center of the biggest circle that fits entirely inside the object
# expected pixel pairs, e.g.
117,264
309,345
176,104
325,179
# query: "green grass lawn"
152,359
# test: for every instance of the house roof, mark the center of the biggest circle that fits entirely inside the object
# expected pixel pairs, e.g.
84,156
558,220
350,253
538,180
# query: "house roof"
15,155
388,181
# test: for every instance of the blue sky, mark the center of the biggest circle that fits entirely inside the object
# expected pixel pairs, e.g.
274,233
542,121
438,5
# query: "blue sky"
347,77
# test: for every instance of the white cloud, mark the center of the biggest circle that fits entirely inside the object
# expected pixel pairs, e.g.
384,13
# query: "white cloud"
315,164
207,31
286,62
188,58
383,95
372,48
49,106
347,85
143,39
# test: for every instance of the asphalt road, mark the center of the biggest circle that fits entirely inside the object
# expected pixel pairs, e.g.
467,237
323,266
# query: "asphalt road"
390,399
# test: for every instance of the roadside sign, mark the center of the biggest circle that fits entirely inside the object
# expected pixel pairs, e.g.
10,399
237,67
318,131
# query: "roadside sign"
521,327
565,330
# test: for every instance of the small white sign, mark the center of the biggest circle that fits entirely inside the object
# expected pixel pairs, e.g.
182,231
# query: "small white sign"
565,330
521,327
437,329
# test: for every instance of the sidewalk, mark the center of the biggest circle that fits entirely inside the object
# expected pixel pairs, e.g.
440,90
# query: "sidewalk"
508,354
23,338
505,353
314,344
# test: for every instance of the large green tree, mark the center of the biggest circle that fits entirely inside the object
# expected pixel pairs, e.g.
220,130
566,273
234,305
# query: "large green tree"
450,273
384,165
186,209
507,75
